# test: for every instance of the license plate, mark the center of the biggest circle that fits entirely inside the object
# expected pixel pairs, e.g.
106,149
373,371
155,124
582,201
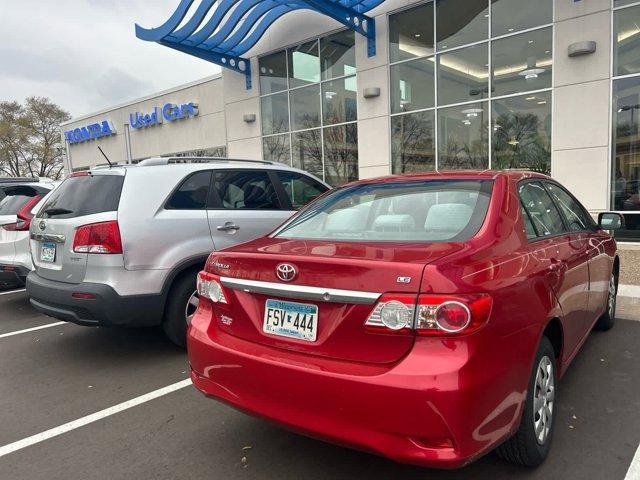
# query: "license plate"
48,252
290,319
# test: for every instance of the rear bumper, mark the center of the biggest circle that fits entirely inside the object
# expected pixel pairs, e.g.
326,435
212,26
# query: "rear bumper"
13,275
106,308
443,414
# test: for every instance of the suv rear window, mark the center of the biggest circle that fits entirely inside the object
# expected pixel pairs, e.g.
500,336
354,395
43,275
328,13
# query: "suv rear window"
84,195
421,211
12,199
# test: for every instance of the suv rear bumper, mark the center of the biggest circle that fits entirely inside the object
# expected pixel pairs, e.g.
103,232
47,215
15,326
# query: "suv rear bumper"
13,275
106,308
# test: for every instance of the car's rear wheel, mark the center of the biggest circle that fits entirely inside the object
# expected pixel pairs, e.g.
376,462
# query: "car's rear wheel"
531,443
181,306
608,318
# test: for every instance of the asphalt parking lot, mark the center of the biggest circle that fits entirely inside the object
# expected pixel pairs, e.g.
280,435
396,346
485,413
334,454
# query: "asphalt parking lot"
70,408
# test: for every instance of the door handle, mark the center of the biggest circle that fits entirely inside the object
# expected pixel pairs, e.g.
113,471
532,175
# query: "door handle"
228,227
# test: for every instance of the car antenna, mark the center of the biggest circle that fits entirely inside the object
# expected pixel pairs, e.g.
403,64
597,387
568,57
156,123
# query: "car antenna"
107,158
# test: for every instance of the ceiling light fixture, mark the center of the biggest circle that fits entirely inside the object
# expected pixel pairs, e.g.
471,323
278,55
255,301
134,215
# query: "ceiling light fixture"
530,98
531,73
543,102
472,112
513,142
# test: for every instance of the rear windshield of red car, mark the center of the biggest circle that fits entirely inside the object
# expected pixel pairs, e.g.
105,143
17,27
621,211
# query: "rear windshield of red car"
419,211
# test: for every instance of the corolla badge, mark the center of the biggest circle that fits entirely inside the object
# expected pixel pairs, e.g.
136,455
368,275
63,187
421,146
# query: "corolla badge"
286,272
42,225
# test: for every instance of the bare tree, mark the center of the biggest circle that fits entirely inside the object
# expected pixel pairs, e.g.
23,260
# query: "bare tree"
30,143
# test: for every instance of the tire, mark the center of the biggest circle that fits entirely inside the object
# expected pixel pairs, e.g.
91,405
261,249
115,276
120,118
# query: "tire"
530,446
608,318
180,307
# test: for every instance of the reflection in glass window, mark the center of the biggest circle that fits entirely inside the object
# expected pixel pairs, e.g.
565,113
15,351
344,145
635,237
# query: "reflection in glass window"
522,63
626,41
411,33
625,177
575,215
305,107
339,101
300,188
412,85
460,22
277,148
338,54
462,137
620,3
307,151
543,213
275,113
273,73
341,154
463,75
412,142
522,132
513,15
304,64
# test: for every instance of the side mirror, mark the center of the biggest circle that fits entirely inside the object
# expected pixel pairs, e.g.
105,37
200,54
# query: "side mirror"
610,221
8,219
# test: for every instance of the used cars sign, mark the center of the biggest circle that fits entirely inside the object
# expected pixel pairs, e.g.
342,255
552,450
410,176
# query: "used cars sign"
169,112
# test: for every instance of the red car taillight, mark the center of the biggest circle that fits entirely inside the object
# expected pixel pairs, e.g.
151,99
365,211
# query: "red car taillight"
210,288
103,237
24,216
430,315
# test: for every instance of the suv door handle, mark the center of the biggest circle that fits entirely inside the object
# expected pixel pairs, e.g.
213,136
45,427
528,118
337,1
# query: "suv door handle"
228,227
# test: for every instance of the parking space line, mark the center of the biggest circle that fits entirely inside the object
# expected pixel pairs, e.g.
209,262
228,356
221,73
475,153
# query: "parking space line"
634,469
27,330
13,291
94,417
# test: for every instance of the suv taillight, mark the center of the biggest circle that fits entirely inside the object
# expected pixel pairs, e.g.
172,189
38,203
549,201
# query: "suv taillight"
430,315
103,237
24,216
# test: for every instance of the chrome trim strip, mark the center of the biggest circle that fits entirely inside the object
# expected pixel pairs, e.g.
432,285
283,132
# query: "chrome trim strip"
48,237
301,292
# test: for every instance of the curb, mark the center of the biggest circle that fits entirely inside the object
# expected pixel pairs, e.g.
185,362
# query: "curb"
629,291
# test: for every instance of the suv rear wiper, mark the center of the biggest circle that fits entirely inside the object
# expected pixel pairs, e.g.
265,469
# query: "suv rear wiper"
56,211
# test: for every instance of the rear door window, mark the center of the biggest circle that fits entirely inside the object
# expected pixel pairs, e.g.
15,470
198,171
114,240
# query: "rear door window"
14,198
245,190
543,213
576,216
192,194
84,195
300,189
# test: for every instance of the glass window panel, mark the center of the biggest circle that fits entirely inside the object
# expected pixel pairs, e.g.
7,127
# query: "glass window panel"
275,113
543,213
463,75
273,72
412,142
522,132
575,215
192,194
304,64
277,148
341,154
463,141
626,41
513,15
307,151
305,107
460,22
620,3
529,231
245,190
300,188
338,54
625,177
411,33
412,85
522,63
340,101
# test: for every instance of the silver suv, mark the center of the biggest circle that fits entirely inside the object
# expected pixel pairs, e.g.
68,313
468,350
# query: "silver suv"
123,245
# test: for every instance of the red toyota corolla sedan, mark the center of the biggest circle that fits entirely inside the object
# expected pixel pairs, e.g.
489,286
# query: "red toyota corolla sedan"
426,318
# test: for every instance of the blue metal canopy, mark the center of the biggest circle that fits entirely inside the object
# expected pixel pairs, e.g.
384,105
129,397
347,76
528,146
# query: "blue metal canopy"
221,31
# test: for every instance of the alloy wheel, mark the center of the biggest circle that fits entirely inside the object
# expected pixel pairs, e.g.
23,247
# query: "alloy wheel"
192,306
543,400
611,301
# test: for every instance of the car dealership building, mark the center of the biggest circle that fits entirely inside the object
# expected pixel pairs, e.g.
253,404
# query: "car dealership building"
363,88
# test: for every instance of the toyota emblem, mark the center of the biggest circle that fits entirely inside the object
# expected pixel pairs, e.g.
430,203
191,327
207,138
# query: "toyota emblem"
286,272
42,225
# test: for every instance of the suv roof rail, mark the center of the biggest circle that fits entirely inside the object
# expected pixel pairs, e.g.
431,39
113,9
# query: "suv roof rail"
177,160
19,179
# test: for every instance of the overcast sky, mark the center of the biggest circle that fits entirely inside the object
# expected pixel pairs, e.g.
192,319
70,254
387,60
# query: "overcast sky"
84,55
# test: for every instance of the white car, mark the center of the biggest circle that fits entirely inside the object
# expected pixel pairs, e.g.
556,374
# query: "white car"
20,199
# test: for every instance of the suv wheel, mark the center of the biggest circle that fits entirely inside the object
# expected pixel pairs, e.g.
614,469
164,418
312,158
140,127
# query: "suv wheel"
532,441
181,305
608,318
